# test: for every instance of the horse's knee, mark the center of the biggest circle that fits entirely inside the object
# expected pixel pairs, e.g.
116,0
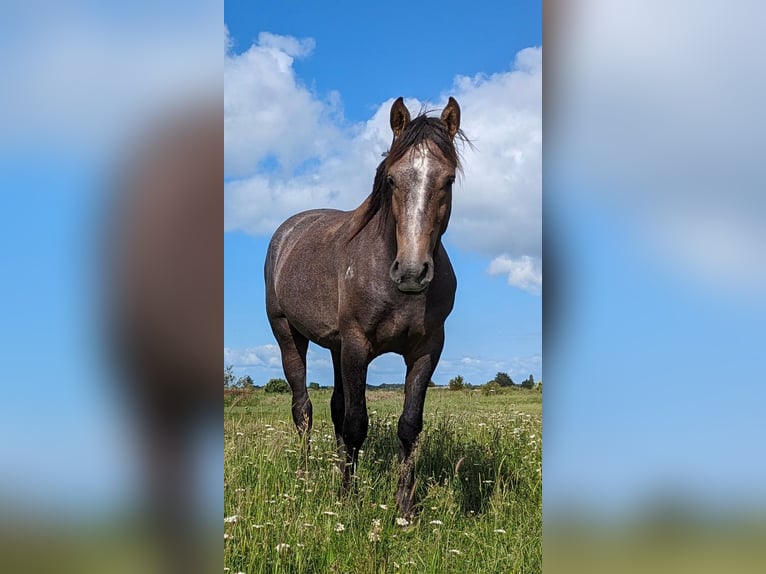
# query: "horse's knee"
408,431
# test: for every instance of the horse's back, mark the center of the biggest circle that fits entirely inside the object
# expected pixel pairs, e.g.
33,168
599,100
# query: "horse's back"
289,234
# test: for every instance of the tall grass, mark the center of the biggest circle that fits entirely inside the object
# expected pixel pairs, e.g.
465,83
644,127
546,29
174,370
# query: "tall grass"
479,486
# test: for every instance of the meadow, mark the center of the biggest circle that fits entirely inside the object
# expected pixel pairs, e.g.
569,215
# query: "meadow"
479,472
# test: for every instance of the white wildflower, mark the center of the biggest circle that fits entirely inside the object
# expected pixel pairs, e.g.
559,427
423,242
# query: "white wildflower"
437,522
402,522
281,548
383,506
454,551
230,519
330,513
499,530
339,527
374,534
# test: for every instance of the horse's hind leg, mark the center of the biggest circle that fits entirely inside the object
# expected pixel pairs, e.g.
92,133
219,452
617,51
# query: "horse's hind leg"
293,346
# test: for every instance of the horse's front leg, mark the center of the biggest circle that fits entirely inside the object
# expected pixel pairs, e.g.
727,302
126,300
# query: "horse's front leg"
420,368
355,357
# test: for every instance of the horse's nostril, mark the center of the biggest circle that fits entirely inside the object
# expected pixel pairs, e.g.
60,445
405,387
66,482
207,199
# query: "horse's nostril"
423,272
396,277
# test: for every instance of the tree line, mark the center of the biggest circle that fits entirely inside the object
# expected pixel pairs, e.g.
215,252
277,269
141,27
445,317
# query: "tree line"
458,383
501,380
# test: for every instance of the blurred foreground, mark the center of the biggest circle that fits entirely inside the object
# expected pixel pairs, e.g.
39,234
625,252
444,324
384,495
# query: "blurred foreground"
112,299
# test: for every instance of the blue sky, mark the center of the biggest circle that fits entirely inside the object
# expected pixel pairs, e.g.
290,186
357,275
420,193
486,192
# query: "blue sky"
346,76
657,389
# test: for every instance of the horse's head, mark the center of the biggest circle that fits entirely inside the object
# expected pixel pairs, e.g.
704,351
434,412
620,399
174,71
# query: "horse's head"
420,170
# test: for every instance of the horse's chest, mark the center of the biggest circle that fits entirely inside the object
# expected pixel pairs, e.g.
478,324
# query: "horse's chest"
401,325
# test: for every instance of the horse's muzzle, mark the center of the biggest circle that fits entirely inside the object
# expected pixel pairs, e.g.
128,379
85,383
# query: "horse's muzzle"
412,278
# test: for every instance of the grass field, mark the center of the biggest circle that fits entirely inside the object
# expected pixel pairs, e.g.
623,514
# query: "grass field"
479,485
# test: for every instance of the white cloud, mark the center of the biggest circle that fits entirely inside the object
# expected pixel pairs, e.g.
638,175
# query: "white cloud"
260,356
314,158
267,112
525,272
498,209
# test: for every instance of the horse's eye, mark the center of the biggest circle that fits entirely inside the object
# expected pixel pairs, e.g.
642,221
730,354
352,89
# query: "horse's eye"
390,181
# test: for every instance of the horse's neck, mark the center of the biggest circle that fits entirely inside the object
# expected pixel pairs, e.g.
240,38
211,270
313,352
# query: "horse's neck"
380,230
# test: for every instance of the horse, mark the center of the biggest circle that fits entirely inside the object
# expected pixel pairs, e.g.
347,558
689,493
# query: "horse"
371,281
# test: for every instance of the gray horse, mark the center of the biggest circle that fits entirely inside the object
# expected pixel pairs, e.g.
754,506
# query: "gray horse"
371,281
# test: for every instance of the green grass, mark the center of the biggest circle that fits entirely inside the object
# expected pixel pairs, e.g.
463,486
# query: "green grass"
479,487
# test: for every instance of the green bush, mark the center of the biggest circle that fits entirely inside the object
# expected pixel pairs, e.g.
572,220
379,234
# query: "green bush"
491,388
504,380
529,383
277,386
456,384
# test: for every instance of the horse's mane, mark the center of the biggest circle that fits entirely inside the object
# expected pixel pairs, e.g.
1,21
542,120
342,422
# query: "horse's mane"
421,129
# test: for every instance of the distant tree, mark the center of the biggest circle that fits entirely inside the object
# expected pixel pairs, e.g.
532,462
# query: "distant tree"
277,386
314,386
228,376
431,384
491,388
456,383
246,383
503,380
529,383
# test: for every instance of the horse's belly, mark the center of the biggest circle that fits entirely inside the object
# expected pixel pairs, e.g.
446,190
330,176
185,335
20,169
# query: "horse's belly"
310,305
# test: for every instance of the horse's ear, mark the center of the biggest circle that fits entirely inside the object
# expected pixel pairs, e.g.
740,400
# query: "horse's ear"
451,116
400,117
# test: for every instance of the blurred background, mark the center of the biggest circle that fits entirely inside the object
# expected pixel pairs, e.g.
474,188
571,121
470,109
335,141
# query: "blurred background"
653,303
654,298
